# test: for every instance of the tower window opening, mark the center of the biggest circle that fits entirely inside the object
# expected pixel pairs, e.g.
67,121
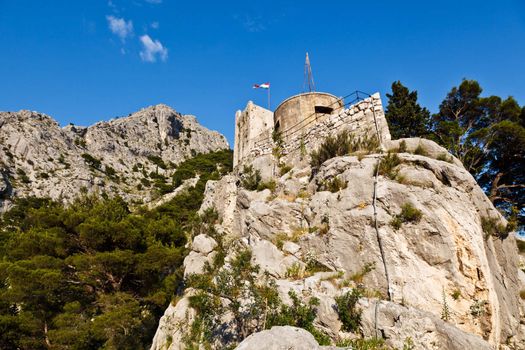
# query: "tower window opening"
323,109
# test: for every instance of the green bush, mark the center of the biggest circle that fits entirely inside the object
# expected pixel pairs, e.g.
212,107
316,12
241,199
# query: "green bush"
493,227
92,162
97,275
284,168
210,165
263,308
93,260
270,185
334,185
347,310
250,179
23,176
388,164
409,213
521,245
420,150
342,144
402,147
299,315
110,172
157,161
445,157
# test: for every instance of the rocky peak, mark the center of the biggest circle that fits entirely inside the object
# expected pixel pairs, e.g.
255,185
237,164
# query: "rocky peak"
437,280
124,155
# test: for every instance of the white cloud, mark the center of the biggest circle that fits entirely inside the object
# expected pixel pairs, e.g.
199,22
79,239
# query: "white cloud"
155,25
120,27
152,49
154,1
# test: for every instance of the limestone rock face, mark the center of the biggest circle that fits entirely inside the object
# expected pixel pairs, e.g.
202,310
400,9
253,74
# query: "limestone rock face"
39,158
278,338
441,261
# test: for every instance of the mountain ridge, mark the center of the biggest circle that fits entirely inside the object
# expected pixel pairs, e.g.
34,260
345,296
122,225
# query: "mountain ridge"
125,155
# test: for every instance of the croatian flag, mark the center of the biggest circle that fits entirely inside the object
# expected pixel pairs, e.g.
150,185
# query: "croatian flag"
261,86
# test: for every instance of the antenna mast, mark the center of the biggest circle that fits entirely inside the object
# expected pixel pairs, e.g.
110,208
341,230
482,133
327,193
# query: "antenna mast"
308,76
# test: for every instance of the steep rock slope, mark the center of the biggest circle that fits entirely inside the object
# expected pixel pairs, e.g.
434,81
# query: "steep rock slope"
440,266
131,156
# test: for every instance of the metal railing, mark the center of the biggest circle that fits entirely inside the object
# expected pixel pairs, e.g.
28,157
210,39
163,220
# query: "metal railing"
355,96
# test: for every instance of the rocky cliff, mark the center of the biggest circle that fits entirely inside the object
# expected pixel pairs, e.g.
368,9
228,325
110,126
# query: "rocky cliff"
131,156
417,240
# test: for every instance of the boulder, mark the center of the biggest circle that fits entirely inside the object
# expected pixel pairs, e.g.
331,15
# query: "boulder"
279,338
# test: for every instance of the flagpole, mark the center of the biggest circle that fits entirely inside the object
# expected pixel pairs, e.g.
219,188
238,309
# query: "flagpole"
269,108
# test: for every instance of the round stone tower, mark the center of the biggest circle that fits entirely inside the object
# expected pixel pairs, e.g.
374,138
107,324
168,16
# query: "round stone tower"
300,110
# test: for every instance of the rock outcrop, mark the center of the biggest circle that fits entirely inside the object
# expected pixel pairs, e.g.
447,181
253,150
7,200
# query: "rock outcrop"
39,158
277,338
451,285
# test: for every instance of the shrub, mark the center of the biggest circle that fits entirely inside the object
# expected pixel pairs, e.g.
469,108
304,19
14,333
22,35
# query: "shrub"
456,294
340,145
157,161
80,142
420,150
387,166
92,162
270,185
521,245
445,157
402,147
112,173
347,310
299,315
250,179
262,310
493,227
23,176
91,267
295,271
284,168
358,276
279,239
477,308
334,185
210,166
445,310
409,213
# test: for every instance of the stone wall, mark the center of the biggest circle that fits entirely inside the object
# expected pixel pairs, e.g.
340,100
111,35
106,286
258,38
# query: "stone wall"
252,124
359,118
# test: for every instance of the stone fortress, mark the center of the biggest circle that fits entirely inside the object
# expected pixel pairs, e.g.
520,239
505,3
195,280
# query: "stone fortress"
300,124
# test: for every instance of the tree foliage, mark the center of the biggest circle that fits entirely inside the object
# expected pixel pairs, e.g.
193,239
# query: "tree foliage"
406,118
234,300
93,274
486,134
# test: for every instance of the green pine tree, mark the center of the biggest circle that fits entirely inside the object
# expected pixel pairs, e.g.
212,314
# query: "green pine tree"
406,118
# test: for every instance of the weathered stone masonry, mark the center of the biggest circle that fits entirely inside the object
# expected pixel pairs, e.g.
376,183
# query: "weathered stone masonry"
253,132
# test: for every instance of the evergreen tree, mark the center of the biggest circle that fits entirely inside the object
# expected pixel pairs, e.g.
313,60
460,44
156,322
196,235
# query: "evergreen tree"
406,118
487,134
93,274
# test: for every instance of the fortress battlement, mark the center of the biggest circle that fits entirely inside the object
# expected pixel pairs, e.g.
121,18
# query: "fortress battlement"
300,124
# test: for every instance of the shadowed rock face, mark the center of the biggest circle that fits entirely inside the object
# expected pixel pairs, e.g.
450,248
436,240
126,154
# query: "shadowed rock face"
39,158
444,259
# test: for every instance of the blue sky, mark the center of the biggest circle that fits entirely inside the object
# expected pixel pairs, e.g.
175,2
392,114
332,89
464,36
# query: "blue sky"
88,60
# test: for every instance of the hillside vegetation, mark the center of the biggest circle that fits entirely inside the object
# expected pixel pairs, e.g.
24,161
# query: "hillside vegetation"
93,274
